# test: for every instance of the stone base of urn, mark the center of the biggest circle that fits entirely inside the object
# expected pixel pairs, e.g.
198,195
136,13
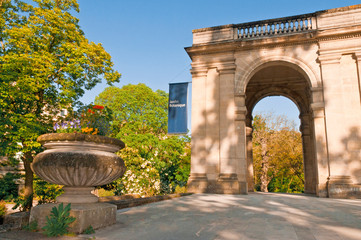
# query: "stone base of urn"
97,215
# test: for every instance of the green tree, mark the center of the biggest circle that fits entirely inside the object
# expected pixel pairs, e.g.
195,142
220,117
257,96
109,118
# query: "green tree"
156,162
277,154
46,62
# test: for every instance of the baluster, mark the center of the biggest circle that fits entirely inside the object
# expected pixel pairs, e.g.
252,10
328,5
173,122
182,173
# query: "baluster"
298,24
294,25
309,26
253,31
262,32
266,29
280,27
304,24
248,30
275,28
244,33
257,31
289,26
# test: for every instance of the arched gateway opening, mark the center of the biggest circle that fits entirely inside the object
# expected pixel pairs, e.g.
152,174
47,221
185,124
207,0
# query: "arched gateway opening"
279,78
314,60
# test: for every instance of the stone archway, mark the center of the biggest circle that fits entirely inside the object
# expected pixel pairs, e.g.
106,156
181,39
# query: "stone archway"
315,60
279,78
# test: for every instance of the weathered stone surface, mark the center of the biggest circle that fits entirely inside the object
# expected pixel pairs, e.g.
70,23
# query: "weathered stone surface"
314,60
73,160
77,167
96,215
54,137
79,162
16,221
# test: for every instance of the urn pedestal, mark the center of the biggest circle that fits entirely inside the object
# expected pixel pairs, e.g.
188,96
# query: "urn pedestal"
79,162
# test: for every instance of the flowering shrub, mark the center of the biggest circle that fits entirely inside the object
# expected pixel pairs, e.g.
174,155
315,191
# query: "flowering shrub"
91,119
141,176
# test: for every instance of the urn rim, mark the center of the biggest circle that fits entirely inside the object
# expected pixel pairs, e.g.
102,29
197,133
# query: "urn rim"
53,137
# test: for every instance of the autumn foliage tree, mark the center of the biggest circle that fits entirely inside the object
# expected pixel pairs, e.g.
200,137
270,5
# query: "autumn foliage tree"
277,154
46,63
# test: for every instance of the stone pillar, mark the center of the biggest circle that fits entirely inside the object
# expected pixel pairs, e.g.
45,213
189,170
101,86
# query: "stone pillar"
309,165
212,120
214,141
241,152
358,62
198,181
249,148
227,181
321,153
342,120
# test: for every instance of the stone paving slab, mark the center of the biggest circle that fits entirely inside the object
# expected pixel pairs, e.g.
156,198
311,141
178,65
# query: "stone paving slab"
244,217
257,216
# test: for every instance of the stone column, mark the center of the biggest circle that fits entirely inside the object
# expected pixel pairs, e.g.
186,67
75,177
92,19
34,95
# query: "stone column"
342,115
197,181
241,152
227,181
321,153
309,165
212,140
358,63
249,148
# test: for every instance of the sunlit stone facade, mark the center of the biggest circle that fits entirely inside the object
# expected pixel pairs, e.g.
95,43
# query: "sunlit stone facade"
314,60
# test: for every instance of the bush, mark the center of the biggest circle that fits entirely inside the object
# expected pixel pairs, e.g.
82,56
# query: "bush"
58,223
89,230
101,192
179,189
46,192
31,227
22,202
2,210
8,187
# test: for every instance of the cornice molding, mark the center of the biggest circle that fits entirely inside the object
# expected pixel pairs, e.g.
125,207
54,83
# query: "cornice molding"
223,67
265,43
318,109
241,113
358,55
333,58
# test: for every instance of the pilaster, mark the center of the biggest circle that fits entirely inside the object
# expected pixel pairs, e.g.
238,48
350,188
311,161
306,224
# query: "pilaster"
321,154
241,152
249,148
308,154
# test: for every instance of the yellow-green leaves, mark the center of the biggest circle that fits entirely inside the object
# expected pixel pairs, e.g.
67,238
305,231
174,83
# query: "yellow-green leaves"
277,154
46,63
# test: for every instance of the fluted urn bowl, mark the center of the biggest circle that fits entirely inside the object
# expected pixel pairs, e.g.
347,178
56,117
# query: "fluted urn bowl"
79,162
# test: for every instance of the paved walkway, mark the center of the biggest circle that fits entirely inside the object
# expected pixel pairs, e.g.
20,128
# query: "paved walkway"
247,217
257,216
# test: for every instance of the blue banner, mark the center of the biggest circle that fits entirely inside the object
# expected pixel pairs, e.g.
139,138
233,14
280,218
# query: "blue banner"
177,108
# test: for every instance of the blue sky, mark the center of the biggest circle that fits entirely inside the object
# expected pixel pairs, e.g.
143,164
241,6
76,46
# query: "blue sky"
146,39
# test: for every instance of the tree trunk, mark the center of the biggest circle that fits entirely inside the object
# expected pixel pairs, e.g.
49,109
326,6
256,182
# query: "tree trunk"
29,176
265,164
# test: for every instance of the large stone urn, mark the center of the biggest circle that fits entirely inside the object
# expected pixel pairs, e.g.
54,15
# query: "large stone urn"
79,162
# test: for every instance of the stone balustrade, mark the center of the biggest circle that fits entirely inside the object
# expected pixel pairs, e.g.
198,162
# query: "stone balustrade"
273,27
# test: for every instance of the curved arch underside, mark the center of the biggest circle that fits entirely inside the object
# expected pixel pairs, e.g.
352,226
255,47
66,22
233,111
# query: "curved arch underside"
279,79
